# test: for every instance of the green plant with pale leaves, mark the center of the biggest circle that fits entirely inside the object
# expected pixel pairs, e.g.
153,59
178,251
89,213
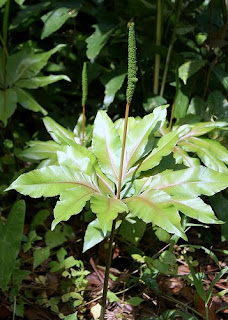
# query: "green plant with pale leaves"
80,175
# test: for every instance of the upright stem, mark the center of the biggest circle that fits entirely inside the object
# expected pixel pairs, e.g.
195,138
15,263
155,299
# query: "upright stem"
158,42
4,40
83,125
170,49
109,260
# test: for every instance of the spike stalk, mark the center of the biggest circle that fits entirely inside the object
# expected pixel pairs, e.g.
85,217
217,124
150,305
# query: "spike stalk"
84,98
132,69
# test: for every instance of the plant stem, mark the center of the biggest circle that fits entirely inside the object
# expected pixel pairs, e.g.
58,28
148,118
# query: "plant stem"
158,42
109,260
170,49
4,41
83,125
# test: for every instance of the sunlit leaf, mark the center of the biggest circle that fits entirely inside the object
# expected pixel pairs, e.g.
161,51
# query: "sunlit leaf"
72,202
106,209
113,83
106,145
155,207
39,150
50,181
58,132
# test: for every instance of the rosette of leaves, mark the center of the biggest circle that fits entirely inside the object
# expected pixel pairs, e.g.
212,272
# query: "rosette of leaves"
82,175
19,72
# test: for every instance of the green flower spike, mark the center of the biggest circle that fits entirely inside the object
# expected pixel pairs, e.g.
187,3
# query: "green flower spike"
84,84
132,64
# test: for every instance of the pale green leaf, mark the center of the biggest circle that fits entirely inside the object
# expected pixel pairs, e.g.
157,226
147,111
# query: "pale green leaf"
164,147
77,157
98,39
138,143
135,301
54,19
27,101
58,132
20,2
8,104
105,185
112,85
196,209
211,153
190,182
181,156
201,128
106,145
71,203
39,150
50,181
40,255
106,209
38,82
10,241
155,207
189,68
94,234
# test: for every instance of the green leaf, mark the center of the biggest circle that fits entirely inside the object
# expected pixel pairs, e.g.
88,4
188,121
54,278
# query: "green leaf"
211,153
39,150
10,241
106,209
39,219
38,82
77,157
72,316
112,297
113,82
27,101
98,39
58,132
196,209
105,185
222,77
155,207
58,236
8,104
181,102
164,147
20,2
220,204
54,19
106,145
135,301
40,255
2,2
132,230
72,202
24,64
189,68
190,182
218,104
50,181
